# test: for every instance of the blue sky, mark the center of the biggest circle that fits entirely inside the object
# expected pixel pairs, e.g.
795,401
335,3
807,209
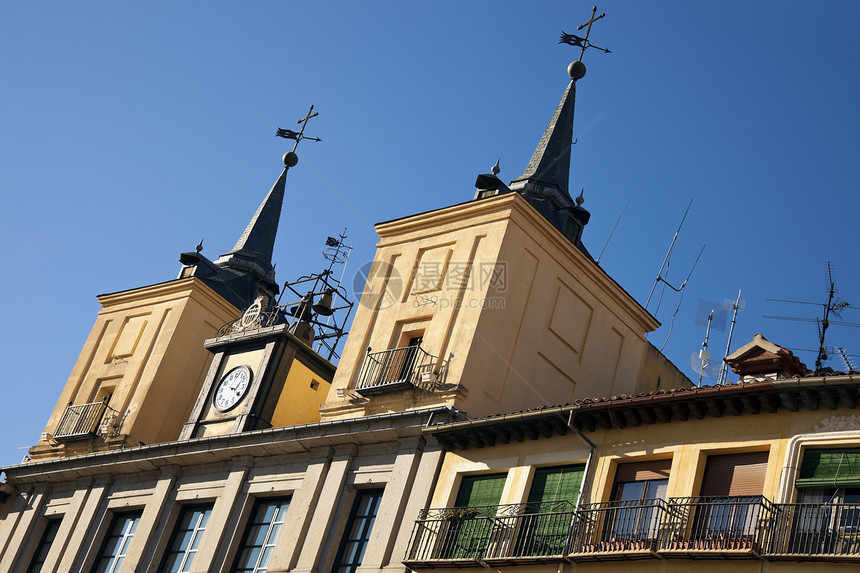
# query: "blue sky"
130,130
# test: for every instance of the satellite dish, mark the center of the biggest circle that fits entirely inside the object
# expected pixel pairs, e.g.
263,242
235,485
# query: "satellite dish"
701,363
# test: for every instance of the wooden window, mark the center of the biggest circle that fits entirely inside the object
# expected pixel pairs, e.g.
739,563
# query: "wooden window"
735,475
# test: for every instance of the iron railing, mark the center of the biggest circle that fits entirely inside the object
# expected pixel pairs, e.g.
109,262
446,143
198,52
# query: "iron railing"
722,525
814,531
626,527
453,534
538,531
396,369
80,421
716,527
519,532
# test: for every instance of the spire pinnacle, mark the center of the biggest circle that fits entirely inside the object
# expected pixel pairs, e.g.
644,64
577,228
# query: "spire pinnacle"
549,167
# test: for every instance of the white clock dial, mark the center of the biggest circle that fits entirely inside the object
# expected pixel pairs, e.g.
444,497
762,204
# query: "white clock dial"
231,388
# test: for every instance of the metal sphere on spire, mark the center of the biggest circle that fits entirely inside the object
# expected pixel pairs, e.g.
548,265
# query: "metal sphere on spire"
576,70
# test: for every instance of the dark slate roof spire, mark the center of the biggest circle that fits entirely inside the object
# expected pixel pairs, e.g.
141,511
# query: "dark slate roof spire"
549,168
253,250
246,271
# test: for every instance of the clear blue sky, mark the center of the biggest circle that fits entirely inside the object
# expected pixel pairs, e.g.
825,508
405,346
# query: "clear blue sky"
129,130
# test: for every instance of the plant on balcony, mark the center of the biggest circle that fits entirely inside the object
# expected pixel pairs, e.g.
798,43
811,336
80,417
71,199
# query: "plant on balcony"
459,513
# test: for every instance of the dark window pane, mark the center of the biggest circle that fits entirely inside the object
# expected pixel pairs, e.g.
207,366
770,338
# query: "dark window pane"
357,532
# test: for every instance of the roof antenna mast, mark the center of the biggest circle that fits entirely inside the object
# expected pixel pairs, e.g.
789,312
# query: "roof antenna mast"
721,379
665,264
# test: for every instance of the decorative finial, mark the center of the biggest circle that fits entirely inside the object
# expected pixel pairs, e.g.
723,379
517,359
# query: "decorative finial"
576,70
290,157
199,246
496,169
580,200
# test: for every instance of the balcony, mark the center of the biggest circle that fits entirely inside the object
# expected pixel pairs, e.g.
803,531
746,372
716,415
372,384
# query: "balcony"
814,531
396,370
626,529
722,527
491,536
81,421
740,527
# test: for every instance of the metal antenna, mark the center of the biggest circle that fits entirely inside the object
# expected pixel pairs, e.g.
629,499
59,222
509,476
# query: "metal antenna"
680,289
721,379
668,255
834,305
612,232
849,366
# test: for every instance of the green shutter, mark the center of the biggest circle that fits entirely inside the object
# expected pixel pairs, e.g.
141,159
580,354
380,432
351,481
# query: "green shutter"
476,491
556,484
829,468
465,535
544,529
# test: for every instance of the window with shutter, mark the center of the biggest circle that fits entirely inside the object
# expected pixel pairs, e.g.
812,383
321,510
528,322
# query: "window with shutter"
469,524
544,527
735,474
731,496
829,468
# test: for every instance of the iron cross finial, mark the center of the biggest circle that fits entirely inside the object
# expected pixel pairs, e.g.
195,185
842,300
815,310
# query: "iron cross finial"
583,43
298,135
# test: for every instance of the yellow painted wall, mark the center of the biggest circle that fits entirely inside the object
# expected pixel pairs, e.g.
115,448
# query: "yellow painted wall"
517,315
147,344
301,397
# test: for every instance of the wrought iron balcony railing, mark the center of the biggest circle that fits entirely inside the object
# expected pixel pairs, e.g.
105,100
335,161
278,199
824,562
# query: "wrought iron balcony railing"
820,531
81,421
525,532
717,525
396,369
628,528
748,527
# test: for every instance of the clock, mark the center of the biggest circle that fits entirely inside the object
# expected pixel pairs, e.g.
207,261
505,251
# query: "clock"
231,388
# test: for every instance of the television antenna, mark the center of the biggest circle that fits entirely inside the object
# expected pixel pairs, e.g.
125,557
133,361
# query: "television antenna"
701,360
736,305
834,305
663,277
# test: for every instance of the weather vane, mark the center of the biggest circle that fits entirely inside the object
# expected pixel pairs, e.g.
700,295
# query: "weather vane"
297,136
577,71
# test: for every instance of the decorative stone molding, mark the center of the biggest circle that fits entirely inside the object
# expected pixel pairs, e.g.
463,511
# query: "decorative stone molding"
842,423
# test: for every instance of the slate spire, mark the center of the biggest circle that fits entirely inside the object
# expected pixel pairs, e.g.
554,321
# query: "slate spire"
549,168
253,250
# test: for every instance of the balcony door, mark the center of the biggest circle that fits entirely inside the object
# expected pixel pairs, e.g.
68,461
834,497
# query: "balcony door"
634,516
727,511
826,519
545,522
468,525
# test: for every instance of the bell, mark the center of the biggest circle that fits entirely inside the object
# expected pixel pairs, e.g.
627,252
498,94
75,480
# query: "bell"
323,307
302,310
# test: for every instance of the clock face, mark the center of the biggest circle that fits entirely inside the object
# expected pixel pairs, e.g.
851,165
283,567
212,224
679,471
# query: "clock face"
232,388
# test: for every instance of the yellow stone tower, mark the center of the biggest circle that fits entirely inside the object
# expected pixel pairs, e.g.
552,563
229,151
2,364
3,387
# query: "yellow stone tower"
145,368
495,305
